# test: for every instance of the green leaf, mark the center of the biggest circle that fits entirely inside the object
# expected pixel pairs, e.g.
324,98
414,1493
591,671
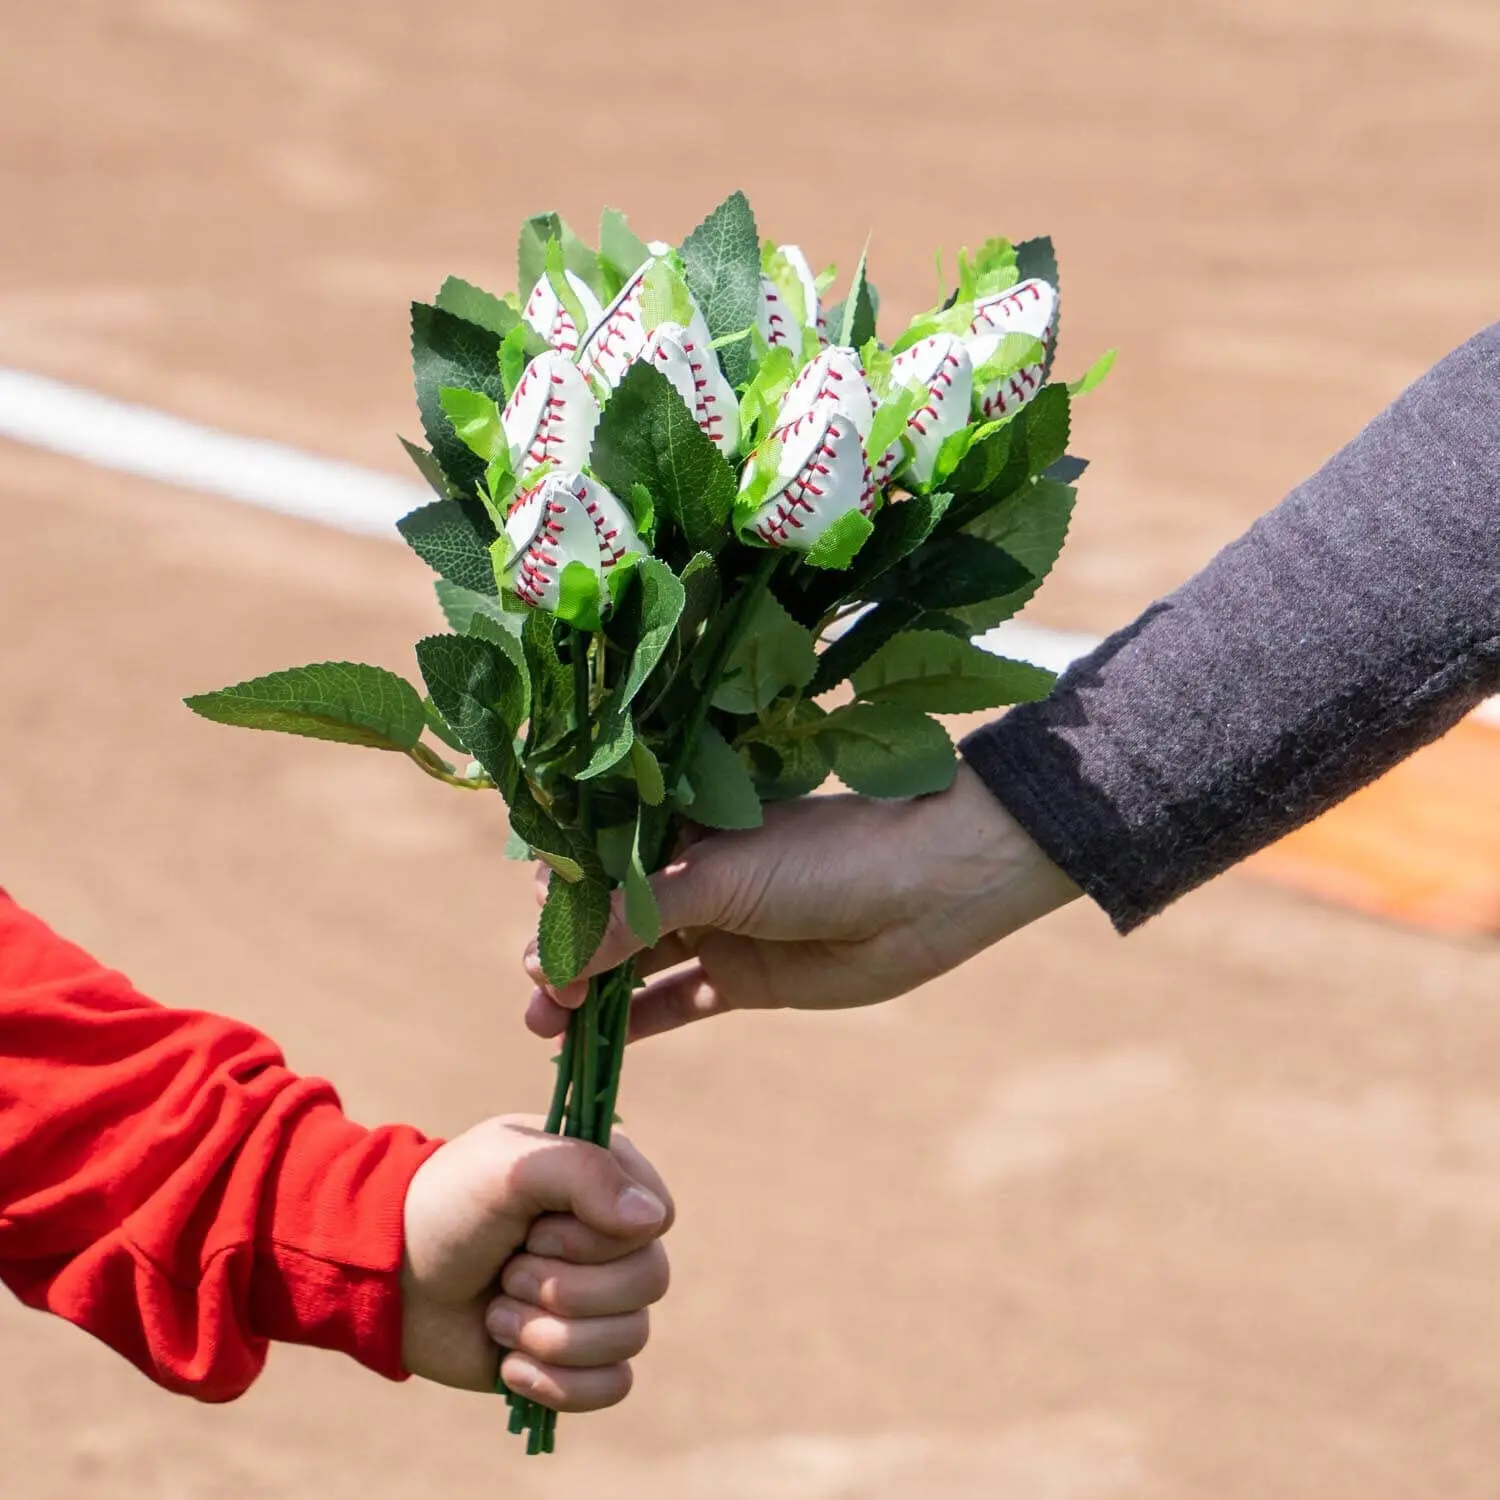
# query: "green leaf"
441,728
664,296
722,793
562,288
858,322
701,590
891,419
427,467
1037,257
578,596
445,538
721,258
786,759
460,605
551,683
475,306
646,769
773,653
958,570
332,700
1094,375
1048,423
449,351
482,695
1031,526
476,421
837,546
513,358
641,910
648,436
531,254
934,672
621,250
843,657
652,608
888,750
573,922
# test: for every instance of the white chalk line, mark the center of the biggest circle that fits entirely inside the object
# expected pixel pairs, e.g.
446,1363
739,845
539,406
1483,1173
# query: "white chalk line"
131,439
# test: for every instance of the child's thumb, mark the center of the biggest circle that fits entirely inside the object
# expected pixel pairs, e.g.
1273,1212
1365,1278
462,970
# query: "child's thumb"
569,1176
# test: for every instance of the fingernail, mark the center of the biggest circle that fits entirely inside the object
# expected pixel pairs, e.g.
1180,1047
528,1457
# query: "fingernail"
520,1373
640,1208
504,1326
523,1286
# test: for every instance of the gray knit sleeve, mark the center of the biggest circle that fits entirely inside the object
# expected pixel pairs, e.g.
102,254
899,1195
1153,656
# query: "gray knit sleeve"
1352,624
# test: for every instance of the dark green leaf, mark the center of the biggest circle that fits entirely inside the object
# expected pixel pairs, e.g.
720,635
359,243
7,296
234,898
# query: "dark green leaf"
573,921
955,571
648,436
478,690
1031,526
1036,257
700,583
468,302
331,700
1047,427
449,351
721,258
888,750
773,653
858,322
786,760
653,604
441,728
444,537
934,672
844,656
551,683
427,467
460,605
722,794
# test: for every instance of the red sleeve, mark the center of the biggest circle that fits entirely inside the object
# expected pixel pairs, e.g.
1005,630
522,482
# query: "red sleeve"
169,1186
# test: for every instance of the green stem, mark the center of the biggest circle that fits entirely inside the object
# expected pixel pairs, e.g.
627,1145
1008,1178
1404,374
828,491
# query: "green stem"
583,717
712,677
439,769
561,1084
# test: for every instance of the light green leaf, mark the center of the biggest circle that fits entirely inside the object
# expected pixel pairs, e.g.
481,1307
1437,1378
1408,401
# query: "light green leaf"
531,254
513,358
476,420
837,546
573,922
1094,375
578,596
720,793
888,750
475,306
774,653
722,260
445,538
641,910
891,419
646,769
664,296
648,436
1014,352
562,288
343,701
940,674
621,250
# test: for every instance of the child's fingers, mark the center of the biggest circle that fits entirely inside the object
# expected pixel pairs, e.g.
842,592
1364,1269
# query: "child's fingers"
562,1237
573,1291
567,1343
566,1390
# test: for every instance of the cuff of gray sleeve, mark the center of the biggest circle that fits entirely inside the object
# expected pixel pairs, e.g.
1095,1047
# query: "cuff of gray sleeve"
1035,773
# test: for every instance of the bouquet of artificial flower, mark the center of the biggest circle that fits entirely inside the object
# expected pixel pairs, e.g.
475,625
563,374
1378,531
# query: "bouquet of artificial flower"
678,505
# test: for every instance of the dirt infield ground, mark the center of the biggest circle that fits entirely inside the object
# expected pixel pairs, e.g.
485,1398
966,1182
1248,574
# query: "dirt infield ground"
1211,1212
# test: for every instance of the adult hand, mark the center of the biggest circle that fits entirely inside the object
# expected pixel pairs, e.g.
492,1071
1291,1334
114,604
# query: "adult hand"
835,901
572,1305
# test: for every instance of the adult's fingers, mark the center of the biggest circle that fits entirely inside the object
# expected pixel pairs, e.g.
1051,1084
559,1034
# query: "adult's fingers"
566,1390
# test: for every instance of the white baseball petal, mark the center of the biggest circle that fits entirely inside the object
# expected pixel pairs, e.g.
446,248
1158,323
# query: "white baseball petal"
778,325
695,373
567,518
822,475
941,368
833,382
1029,307
545,312
551,415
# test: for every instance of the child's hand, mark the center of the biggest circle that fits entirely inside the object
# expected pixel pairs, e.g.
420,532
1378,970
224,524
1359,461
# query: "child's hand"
573,1306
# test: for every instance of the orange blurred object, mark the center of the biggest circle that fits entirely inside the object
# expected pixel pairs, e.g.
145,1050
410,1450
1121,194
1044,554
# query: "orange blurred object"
1420,846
